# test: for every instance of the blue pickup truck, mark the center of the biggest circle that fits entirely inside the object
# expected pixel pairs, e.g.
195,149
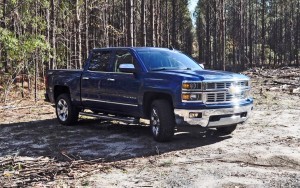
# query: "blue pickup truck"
159,84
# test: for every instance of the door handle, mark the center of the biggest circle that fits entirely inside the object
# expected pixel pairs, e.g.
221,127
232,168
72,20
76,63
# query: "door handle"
110,79
85,78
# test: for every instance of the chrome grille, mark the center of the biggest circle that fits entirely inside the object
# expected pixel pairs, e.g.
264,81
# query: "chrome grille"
218,97
215,97
224,85
219,92
242,83
222,97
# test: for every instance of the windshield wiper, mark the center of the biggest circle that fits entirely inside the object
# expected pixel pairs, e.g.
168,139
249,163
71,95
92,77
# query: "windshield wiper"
185,68
160,69
168,68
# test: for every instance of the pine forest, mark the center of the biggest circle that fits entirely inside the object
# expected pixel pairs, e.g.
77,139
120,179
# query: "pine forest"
235,35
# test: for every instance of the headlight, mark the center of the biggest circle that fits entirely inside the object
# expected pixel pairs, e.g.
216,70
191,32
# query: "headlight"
191,91
191,86
191,97
245,83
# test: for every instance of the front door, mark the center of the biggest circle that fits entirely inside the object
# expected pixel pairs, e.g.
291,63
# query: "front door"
125,90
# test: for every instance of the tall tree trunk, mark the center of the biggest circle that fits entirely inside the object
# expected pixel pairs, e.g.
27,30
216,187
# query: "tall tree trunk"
134,22
156,23
4,7
105,25
79,28
256,56
53,35
174,36
36,63
48,36
130,22
263,32
160,30
207,59
167,25
143,26
297,35
276,36
3,24
223,34
74,51
241,39
124,21
70,41
215,61
250,33
86,28
291,34
152,26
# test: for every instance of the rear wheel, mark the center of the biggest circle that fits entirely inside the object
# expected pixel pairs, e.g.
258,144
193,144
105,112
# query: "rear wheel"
227,129
66,113
162,120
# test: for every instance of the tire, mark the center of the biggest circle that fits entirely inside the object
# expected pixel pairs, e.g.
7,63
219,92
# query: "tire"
162,120
227,129
66,113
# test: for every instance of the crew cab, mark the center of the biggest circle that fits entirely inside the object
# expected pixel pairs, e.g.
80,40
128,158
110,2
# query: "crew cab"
162,85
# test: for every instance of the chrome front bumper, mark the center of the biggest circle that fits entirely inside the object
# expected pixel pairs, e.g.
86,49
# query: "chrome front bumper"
214,117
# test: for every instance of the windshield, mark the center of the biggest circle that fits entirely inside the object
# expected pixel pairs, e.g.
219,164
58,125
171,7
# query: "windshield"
160,59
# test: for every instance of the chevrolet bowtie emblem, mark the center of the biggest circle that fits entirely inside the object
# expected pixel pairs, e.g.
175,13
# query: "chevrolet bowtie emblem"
233,90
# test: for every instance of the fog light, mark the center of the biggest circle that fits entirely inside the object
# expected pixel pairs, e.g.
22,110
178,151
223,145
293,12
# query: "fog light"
244,114
195,115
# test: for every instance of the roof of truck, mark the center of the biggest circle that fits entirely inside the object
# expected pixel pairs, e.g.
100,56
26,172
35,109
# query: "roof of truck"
134,48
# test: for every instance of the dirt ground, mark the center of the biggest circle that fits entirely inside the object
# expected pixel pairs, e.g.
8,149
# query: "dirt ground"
263,152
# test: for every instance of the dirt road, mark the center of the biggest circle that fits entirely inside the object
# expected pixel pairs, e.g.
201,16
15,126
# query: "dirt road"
263,152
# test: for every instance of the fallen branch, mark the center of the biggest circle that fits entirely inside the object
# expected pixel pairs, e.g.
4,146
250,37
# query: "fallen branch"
24,171
74,163
6,162
287,83
70,158
288,75
250,164
289,161
262,75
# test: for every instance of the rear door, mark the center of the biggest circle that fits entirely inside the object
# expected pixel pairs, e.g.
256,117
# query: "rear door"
95,80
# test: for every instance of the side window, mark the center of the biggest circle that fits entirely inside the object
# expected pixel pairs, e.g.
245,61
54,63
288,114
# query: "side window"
100,61
123,57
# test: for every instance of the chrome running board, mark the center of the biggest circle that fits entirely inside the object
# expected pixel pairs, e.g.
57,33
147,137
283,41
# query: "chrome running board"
111,117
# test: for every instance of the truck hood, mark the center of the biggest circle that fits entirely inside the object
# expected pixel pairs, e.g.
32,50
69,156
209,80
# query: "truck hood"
204,74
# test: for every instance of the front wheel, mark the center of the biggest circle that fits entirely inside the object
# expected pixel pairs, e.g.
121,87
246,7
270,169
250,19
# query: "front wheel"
227,129
162,120
66,113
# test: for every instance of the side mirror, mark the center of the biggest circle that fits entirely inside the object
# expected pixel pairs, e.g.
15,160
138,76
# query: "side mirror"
127,68
201,65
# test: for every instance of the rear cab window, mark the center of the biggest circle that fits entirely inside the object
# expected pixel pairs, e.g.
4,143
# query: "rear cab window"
100,61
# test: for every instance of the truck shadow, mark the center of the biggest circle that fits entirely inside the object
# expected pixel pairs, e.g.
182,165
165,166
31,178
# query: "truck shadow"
92,139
